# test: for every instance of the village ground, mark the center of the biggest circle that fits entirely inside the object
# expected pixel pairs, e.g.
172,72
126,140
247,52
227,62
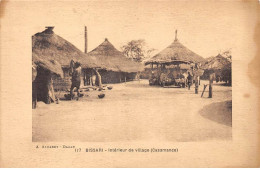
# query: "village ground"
135,111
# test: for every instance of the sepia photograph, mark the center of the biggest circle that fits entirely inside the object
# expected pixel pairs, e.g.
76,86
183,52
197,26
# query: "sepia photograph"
129,84
171,84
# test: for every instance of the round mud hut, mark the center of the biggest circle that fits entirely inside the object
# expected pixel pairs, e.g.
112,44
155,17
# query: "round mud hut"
116,67
220,66
43,71
171,63
50,46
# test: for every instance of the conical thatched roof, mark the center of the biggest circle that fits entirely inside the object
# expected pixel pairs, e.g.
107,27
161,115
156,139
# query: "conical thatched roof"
48,64
216,63
176,53
114,60
48,45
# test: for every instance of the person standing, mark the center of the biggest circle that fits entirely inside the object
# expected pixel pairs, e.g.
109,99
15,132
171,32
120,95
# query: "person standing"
189,80
75,79
93,78
99,81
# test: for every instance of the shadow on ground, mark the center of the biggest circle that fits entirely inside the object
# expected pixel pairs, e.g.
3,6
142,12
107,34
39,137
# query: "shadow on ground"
220,112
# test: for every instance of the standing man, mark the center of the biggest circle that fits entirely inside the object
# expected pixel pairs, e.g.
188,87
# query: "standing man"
189,80
98,79
93,77
75,79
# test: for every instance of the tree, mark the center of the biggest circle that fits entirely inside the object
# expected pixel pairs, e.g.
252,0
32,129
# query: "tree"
137,50
226,71
227,54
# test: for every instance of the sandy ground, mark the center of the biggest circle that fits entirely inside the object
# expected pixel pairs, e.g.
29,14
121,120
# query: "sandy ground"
135,111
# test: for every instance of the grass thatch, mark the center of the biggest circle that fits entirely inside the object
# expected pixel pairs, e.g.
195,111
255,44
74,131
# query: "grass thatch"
48,45
216,63
114,60
51,65
176,52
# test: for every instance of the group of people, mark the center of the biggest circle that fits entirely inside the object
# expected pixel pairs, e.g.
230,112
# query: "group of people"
174,77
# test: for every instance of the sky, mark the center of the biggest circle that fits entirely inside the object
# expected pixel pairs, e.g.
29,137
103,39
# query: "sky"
206,28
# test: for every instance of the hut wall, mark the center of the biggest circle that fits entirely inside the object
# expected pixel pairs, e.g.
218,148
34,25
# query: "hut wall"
42,85
130,76
108,77
111,76
87,74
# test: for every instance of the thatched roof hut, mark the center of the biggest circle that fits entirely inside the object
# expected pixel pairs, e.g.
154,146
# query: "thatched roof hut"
216,63
112,59
47,64
48,45
176,53
42,71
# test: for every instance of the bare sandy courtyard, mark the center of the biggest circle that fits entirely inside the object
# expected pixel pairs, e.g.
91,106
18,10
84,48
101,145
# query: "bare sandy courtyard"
135,111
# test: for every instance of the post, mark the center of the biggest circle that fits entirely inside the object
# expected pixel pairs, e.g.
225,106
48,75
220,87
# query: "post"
205,86
196,85
210,90
175,36
86,39
210,85
90,80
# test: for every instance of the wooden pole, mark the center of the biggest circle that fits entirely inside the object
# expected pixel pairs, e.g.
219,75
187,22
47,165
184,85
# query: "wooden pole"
90,79
210,90
210,85
205,86
196,85
86,39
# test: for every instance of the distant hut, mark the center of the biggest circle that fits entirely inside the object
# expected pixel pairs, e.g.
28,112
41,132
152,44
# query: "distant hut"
116,67
176,59
43,71
175,53
218,65
50,46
